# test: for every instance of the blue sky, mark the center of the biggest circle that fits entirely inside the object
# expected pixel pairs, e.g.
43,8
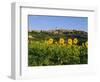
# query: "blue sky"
39,22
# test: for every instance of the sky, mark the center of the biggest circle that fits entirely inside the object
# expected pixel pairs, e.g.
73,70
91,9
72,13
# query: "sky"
40,22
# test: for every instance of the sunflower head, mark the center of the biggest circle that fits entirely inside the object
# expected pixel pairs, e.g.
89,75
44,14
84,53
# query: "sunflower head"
61,41
86,44
50,41
83,45
70,41
75,41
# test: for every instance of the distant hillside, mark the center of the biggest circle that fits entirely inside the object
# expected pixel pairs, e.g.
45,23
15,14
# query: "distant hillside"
82,36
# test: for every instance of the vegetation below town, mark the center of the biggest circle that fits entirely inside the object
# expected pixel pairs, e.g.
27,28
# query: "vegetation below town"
57,47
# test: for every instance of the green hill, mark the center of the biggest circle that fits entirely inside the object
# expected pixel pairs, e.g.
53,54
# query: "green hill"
42,35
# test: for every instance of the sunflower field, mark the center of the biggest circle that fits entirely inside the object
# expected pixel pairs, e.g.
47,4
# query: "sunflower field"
46,51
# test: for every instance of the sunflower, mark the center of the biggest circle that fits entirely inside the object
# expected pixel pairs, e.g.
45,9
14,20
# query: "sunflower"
50,41
75,41
61,41
70,41
86,44
83,45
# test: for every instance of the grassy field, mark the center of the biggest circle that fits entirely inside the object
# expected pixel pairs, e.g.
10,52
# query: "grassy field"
57,48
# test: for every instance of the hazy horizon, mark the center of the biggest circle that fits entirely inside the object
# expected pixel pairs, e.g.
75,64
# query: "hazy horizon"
55,29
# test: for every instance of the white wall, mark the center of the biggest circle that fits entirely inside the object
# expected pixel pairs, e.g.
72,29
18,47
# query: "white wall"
5,36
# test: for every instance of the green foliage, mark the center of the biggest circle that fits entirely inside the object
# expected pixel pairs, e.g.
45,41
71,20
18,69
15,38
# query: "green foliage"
44,35
42,54
83,55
